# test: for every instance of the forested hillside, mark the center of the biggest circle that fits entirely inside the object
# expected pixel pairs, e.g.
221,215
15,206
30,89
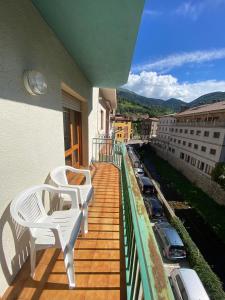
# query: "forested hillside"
132,103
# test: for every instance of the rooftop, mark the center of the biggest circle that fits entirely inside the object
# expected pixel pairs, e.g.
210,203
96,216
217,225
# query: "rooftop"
214,107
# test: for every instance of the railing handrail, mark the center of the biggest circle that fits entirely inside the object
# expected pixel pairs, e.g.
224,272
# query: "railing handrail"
155,283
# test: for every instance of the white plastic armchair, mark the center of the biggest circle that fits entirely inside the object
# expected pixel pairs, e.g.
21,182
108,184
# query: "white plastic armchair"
85,191
58,230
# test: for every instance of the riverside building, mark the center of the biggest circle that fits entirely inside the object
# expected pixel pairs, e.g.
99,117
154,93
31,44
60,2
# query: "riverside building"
193,139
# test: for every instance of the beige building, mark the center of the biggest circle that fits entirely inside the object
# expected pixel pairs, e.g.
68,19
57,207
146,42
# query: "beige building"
149,128
194,137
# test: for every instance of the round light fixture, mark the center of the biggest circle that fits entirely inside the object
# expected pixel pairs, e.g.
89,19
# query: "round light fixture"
35,82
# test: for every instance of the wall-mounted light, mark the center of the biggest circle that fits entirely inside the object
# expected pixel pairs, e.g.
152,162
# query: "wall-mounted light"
35,82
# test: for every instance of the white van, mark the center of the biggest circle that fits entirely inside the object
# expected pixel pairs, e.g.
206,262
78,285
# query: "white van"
187,285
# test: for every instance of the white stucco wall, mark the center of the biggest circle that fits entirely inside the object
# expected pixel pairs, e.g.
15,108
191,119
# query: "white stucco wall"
94,119
31,127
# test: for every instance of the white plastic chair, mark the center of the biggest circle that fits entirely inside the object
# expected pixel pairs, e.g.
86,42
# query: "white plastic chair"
58,230
85,191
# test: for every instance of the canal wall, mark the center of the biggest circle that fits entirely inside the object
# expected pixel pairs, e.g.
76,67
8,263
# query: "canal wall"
205,183
169,211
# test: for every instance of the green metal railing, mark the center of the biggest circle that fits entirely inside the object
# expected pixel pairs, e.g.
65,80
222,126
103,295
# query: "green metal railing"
145,275
106,150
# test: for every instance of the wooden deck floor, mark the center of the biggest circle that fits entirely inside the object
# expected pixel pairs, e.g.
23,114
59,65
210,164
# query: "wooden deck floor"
99,261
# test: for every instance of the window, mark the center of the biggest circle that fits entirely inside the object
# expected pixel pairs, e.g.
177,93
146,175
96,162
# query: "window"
184,143
193,161
179,141
102,119
206,133
176,130
181,130
187,158
181,155
198,132
175,140
202,165
196,146
213,151
216,135
173,150
203,148
191,131
185,131
181,288
189,144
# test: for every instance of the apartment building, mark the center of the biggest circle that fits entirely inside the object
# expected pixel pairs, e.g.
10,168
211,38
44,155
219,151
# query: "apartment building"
149,128
122,128
194,137
162,138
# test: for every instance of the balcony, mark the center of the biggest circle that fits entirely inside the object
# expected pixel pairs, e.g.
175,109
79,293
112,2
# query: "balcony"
118,258
213,124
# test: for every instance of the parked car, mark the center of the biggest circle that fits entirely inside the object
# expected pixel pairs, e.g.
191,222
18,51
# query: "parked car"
187,285
172,245
139,172
146,186
134,159
155,207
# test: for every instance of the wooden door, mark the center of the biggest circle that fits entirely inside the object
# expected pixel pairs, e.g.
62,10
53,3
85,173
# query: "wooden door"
72,137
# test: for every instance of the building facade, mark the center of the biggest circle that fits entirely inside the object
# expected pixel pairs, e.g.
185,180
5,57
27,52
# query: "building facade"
42,131
194,137
193,141
122,127
149,128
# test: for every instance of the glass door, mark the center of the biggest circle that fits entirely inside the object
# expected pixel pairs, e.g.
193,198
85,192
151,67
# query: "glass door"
72,137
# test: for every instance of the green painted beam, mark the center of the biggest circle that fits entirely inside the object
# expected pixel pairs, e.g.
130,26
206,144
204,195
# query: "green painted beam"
155,283
99,34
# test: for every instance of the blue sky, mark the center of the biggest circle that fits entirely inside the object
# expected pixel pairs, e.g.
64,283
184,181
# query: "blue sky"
180,50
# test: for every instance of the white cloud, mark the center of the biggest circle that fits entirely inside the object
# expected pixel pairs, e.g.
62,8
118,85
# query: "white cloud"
180,59
193,9
152,13
151,84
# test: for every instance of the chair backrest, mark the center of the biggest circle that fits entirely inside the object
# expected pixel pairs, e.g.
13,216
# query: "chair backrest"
58,176
28,206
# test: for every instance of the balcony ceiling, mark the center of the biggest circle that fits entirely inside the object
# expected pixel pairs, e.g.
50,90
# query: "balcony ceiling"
99,34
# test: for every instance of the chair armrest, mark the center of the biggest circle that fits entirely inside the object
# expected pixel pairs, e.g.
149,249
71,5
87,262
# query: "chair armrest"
73,194
86,173
65,190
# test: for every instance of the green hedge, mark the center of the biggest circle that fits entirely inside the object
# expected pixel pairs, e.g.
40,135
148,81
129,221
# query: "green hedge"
209,279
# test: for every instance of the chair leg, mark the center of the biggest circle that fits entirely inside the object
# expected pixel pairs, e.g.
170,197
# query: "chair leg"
85,212
69,265
32,258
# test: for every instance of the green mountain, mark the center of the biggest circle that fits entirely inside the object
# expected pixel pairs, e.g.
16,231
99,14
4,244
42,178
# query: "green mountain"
130,102
208,98
130,107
